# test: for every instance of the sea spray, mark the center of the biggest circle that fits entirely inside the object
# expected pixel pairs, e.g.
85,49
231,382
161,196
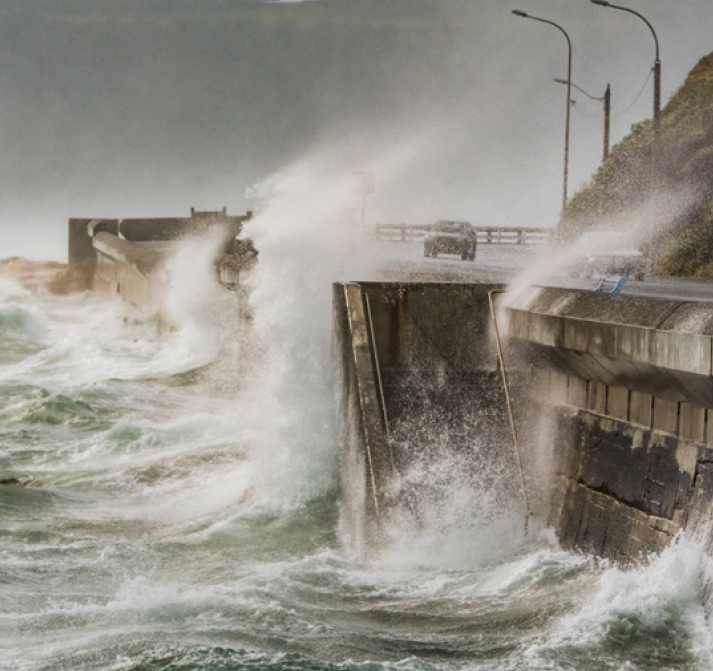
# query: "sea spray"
451,515
651,613
564,260
10,290
304,240
307,236
197,307
185,525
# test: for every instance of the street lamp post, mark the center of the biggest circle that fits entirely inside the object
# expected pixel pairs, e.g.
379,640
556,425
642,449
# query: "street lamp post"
606,100
657,110
517,12
657,62
607,120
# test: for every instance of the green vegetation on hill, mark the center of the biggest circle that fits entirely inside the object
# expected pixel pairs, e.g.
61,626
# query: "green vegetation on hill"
683,244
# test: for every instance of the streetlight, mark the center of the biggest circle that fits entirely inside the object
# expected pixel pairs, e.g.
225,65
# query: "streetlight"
657,110
606,99
517,12
657,62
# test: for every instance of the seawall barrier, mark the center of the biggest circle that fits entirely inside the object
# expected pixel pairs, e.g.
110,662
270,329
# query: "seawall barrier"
637,372
127,258
619,389
612,395
420,388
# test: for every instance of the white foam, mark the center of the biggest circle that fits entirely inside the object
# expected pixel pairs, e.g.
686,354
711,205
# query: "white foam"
304,243
447,517
10,290
668,585
644,224
307,234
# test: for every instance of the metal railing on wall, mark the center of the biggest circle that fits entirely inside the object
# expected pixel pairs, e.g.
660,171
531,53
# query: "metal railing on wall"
486,235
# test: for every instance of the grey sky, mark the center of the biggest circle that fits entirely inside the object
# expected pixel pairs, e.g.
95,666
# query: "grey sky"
121,108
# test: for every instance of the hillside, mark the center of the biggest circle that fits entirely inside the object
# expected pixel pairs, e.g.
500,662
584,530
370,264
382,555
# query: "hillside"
673,209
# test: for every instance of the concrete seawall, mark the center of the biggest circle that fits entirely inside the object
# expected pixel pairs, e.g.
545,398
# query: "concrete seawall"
417,394
636,372
128,258
612,395
135,272
622,385
366,457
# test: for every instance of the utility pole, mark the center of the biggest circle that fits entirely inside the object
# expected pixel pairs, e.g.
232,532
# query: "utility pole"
657,112
607,120
657,61
606,100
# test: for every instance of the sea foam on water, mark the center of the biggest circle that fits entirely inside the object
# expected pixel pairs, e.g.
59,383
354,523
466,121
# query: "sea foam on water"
646,608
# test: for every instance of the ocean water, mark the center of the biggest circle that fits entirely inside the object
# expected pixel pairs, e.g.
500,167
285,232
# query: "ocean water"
171,520
172,504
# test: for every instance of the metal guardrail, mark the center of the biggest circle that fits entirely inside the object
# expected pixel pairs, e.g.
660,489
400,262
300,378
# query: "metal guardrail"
612,284
486,235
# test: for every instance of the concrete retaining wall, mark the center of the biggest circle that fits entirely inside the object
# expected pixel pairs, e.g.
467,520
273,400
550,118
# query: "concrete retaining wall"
631,379
133,272
366,460
624,384
80,251
655,346
409,379
127,257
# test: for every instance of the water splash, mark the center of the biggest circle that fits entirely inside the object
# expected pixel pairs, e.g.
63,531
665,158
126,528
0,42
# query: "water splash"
21,322
646,614
305,244
308,237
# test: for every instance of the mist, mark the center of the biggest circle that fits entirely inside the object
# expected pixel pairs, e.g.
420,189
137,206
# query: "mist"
127,108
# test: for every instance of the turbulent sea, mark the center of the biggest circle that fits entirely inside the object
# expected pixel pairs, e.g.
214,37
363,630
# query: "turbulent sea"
172,503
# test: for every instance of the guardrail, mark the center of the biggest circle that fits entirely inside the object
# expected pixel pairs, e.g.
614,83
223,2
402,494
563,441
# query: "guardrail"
486,235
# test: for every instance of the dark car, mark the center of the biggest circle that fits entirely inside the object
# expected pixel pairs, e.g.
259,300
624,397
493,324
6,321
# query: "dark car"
451,237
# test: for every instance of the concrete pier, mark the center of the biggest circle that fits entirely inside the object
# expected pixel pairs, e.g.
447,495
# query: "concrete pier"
632,377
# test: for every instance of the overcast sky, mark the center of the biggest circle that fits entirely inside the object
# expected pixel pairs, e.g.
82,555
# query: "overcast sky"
123,108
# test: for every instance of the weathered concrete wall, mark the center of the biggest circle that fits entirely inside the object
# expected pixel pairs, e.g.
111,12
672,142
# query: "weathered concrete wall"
127,257
408,380
80,250
631,380
432,324
366,460
623,383
131,271
154,229
621,491
655,346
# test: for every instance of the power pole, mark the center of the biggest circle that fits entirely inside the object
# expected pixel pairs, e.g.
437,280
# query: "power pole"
607,120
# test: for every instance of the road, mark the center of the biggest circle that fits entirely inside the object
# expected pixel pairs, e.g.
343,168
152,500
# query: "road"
404,261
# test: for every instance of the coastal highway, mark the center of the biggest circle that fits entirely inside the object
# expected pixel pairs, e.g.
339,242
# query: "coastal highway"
537,265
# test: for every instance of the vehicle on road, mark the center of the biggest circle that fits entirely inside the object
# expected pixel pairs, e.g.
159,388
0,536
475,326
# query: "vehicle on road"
610,253
450,237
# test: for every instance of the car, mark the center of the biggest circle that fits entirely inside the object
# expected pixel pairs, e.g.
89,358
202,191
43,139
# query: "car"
610,253
450,237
